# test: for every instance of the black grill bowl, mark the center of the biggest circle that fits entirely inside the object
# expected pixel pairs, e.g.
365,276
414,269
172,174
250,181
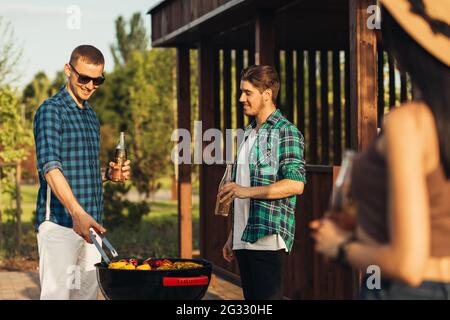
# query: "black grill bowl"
183,284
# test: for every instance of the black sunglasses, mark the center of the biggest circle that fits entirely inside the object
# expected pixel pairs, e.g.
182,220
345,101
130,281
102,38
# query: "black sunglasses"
83,79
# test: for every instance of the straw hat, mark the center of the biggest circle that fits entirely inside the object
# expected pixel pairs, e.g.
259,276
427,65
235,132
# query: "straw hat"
421,24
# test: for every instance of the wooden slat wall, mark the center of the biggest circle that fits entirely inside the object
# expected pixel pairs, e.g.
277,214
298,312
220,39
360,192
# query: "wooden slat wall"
251,57
337,107
391,82
226,76
312,89
325,122
307,274
380,61
390,94
347,101
289,85
239,64
324,113
326,128
278,68
300,69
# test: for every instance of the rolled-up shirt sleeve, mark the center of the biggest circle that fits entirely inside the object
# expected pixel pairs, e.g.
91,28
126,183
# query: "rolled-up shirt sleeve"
292,163
47,136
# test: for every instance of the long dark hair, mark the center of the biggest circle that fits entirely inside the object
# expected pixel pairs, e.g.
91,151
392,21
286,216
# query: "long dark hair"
431,77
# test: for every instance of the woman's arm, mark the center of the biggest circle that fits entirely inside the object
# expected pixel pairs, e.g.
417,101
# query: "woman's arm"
406,254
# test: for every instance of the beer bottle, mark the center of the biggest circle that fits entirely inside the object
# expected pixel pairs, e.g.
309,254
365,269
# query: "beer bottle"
342,205
119,158
223,209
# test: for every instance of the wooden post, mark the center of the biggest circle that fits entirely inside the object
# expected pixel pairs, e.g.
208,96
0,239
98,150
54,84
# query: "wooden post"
363,76
184,170
265,38
363,84
18,204
208,114
227,150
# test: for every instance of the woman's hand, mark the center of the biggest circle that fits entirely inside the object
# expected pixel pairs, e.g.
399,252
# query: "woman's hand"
328,236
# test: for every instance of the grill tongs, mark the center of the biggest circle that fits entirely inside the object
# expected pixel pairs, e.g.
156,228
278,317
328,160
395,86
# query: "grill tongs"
107,244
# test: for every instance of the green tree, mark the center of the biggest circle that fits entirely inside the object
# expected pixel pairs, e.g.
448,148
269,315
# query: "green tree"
136,39
10,54
15,139
151,103
58,81
138,98
35,93
14,134
39,90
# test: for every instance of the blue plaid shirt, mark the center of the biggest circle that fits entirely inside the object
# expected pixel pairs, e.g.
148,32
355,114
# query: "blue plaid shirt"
68,138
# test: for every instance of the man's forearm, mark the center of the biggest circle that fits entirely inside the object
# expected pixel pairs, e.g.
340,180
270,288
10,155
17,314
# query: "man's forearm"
281,189
62,190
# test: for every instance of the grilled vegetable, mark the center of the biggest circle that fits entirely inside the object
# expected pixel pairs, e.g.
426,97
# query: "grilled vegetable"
152,264
118,264
145,266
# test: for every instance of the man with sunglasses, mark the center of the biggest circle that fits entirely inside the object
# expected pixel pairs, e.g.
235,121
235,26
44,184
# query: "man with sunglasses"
70,197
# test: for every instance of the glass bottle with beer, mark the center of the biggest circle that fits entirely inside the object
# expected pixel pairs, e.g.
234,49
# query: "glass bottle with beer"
223,208
342,206
120,157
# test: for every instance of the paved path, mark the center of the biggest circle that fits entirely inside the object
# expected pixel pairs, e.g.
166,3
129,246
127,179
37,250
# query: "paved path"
15,285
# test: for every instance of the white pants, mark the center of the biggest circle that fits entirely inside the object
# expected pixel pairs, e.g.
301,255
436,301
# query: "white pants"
66,264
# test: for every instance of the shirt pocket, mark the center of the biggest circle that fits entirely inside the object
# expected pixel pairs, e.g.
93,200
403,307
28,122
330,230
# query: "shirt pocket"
267,163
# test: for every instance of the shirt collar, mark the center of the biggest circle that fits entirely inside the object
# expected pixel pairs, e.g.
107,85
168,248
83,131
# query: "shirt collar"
69,101
271,120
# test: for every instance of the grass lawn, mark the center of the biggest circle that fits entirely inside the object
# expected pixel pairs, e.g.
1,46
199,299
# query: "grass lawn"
157,234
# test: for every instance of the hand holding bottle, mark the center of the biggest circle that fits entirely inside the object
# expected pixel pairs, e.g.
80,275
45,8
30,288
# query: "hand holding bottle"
342,206
223,208
126,169
117,172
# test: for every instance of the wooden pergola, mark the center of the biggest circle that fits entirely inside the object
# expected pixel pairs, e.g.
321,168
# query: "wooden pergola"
309,42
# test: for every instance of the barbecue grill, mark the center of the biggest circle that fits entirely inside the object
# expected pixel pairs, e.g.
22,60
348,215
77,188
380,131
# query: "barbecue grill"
179,284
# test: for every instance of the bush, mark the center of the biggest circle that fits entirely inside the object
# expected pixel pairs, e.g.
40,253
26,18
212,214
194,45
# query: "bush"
28,243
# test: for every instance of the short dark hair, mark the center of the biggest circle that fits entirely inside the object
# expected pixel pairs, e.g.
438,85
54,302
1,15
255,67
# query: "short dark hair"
429,74
263,78
87,53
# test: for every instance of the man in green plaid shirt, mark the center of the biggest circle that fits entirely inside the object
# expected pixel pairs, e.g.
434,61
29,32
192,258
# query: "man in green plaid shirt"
269,172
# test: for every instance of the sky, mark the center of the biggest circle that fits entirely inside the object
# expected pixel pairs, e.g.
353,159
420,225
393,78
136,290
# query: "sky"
48,30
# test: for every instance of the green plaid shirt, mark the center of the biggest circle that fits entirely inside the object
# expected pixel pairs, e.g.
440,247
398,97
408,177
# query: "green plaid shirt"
277,154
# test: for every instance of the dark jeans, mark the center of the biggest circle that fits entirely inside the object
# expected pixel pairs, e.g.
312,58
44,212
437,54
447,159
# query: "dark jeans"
261,273
397,290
